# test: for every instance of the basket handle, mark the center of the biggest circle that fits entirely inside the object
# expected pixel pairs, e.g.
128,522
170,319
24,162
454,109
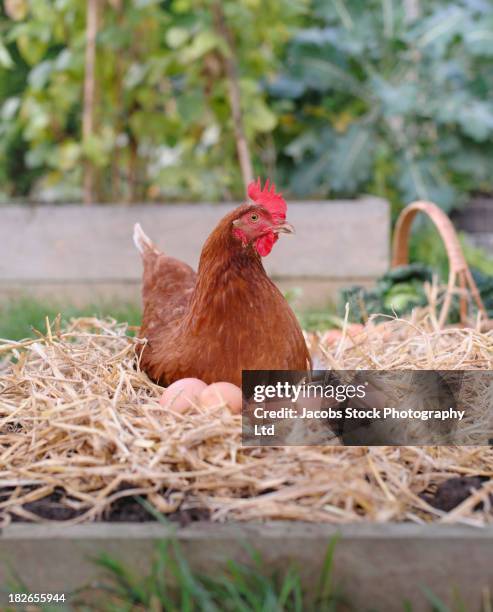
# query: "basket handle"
458,268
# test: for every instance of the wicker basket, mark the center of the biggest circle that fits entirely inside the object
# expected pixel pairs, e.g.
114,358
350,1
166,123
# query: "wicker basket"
458,269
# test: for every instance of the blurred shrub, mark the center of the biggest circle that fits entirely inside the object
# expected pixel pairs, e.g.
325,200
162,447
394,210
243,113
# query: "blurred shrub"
163,120
396,104
338,97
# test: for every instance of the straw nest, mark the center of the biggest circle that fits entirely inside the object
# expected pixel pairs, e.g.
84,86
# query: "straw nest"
77,416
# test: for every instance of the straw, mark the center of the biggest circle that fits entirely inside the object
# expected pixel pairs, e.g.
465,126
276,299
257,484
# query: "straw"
78,417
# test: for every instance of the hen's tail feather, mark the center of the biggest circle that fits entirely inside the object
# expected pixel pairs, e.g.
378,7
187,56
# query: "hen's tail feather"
142,240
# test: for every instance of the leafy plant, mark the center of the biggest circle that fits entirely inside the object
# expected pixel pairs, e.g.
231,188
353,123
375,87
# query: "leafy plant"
162,122
403,288
396,292
390,102
336,97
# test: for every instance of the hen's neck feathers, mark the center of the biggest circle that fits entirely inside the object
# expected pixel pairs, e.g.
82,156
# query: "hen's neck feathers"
229,274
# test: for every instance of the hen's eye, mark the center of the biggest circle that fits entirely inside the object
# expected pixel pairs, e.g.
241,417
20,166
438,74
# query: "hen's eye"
254,217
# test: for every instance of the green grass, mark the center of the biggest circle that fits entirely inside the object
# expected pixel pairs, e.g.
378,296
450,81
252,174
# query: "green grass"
21,316
319,320
171,585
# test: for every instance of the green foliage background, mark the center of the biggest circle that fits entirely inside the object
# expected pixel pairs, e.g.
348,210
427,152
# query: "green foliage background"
338,96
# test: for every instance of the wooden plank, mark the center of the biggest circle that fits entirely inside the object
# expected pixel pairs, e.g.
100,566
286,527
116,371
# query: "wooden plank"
378,566
71,243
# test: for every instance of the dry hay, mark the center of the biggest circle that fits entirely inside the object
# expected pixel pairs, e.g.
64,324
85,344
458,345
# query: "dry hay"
76,414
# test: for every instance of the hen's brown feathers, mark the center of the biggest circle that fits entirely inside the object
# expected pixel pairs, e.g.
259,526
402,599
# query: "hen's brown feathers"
211,325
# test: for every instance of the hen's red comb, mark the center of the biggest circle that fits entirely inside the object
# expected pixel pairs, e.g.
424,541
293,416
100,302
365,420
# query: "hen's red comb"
267,197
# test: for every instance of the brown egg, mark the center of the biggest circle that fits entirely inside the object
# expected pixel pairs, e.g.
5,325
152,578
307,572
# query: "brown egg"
181,394
222,393
332,336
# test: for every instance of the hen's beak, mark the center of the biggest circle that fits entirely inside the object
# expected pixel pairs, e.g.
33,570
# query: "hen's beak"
283,228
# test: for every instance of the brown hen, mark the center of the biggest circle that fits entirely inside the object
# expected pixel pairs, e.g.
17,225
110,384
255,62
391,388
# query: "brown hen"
229,316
